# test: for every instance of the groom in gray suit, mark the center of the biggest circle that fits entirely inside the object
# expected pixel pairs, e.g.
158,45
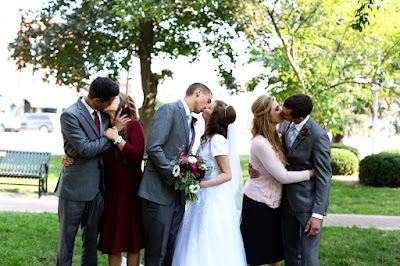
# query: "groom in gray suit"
80,185
163,206
304,204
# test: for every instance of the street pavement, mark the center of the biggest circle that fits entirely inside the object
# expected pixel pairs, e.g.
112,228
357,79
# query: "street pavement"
31,203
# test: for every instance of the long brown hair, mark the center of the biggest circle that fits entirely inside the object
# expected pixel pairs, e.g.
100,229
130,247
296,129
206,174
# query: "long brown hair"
128,109
219,120
261,125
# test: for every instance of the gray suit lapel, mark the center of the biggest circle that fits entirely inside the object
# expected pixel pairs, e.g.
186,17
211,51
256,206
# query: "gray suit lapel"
184,120
298,141
85,114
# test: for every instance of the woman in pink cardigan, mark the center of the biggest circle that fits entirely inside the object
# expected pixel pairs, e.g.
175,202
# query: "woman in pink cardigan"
261,226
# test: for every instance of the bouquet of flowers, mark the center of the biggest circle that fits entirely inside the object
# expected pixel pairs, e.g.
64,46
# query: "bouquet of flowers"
187,172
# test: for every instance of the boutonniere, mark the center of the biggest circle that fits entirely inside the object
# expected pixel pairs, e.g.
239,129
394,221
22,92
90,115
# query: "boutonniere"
304,132
194,120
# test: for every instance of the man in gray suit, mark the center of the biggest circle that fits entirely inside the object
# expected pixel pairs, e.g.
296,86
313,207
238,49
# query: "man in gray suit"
80,185
163,206
304,204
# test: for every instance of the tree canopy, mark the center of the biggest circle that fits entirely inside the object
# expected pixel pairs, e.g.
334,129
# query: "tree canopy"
338,52
309,46
74,40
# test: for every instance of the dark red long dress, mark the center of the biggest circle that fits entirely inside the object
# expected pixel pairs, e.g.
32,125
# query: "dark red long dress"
122,207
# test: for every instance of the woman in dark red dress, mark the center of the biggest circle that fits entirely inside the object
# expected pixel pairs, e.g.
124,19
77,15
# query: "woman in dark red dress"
122,208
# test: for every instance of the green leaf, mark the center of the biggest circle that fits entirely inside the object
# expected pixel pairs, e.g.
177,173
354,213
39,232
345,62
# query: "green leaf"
177,184
182,186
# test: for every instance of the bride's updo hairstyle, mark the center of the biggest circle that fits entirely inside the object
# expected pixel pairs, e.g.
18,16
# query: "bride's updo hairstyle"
261,125
219,120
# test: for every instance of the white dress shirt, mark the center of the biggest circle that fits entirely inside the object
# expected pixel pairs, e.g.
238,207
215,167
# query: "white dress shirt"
91,110
297,129
189,118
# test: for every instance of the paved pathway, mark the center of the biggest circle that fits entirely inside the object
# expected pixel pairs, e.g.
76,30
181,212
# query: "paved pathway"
365,221
27,202
31,203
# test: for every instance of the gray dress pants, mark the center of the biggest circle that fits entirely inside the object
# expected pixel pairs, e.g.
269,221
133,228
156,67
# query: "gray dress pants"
298,248
71,215
160,227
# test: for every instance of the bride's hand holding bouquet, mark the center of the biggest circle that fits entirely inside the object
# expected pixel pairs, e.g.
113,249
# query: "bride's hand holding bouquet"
188,171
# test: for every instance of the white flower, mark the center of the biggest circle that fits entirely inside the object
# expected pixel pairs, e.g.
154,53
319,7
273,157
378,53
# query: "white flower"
204,167
194,189
176,171
192,159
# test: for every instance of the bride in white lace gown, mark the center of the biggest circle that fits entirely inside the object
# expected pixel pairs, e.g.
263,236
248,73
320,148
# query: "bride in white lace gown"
210,232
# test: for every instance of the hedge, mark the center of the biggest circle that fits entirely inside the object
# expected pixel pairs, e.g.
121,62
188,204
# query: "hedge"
344,162
380,170
345,147
394,151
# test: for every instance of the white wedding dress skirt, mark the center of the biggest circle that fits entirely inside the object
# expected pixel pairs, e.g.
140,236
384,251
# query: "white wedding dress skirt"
209,234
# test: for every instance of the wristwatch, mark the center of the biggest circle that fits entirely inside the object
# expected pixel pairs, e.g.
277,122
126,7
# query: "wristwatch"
118,140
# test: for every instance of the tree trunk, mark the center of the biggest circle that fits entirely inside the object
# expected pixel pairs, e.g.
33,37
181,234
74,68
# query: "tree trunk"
149,80
338,138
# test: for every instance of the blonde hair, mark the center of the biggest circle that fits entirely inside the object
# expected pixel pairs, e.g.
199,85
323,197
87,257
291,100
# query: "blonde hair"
261,124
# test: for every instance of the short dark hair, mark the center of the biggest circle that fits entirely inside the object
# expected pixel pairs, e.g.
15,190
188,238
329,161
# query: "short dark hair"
192,88
300,104
103,88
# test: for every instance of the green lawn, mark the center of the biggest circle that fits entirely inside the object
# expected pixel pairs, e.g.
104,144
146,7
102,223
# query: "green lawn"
357,246
31,239
357,199
244,161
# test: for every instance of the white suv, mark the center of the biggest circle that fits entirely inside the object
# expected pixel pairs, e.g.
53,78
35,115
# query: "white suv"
9,122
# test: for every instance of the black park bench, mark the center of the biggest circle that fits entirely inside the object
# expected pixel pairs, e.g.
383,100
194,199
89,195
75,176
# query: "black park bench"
25,164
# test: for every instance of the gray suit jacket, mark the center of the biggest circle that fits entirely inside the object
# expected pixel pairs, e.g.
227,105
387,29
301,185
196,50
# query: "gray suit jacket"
82,141
169,133
311,152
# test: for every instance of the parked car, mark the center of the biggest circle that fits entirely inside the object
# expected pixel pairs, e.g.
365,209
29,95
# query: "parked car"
37,121
9,122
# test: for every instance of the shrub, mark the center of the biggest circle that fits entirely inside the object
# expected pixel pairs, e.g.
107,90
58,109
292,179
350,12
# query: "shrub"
394,151
379,170
344,162
345,147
